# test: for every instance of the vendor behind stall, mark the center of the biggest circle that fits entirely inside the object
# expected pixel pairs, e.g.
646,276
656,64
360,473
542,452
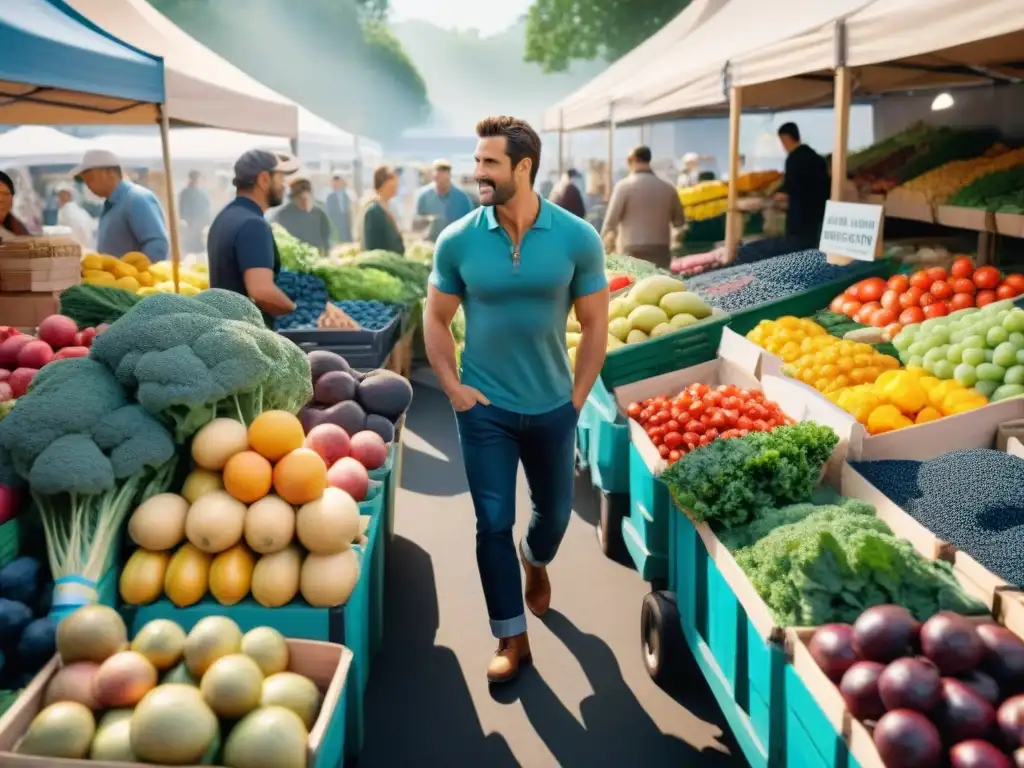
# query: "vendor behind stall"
380,230
7,219
132,219
806,186
303,218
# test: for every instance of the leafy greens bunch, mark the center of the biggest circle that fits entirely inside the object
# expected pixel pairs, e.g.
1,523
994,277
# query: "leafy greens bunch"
817,565
88,454
729,481
296,255
190,359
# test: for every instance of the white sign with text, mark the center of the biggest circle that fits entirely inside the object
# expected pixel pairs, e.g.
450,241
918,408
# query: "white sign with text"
853,230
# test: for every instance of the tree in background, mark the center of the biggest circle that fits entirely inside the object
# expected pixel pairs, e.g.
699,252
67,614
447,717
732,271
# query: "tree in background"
560,31
334,57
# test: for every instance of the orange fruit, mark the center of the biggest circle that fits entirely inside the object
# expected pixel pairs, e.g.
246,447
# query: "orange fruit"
248,476
300,477
274,434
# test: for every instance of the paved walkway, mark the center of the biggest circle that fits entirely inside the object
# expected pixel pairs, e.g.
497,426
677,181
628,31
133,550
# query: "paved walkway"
586,702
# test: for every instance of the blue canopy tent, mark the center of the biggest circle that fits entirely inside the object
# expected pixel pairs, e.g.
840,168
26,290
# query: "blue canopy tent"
59,68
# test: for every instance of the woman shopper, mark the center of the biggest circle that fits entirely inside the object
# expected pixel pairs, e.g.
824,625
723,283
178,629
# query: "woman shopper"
380,231
8,220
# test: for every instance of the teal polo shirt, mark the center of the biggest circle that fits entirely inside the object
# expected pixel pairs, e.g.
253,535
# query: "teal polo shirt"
515,312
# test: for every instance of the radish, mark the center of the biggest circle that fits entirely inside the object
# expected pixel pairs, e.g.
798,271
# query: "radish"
35,354
69,352
20,380
58,331
9,349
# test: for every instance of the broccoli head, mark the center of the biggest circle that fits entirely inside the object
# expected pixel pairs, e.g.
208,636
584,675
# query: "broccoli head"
189,359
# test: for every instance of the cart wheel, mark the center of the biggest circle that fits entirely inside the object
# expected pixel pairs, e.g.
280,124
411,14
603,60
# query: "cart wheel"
660,636
614,507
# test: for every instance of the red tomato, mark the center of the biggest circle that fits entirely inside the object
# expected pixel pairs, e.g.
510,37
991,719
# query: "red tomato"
851,307
911,315
717,420
937,274
711,434
663,451
962,300
891,299
983,298
890,331
964,285
962,267
672,440
693,426
987,278
1016,280
866,311
744,422
927,299
921,280
696,408
704,440
672,425
936,310
871,289
634,410
941,289
911,298
674,456
691,438
760,425
899,283
837,303
1005,291
882,318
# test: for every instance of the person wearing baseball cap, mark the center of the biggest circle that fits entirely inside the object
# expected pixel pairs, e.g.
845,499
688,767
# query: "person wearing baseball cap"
132,219
240,245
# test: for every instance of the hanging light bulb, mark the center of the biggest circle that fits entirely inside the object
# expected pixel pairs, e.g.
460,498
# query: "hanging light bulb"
942,101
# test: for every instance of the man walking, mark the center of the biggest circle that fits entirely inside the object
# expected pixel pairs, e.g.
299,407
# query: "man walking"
517,265
643,212
339,208
440,202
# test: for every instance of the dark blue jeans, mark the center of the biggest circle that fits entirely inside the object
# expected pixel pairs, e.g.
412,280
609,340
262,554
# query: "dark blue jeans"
494,441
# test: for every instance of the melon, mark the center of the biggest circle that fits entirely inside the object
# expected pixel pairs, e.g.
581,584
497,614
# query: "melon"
187,576
232,686
64,729
162,642
113,740
210,639
92,633
142,578
275,580
269,525
231,574
172,725
179,674
158,523
295,692
200,482
73,683
123,679
329,524
270,737
215,522
268,648
328,580
217,442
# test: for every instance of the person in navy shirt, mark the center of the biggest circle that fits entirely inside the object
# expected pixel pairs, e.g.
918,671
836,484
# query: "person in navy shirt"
516,266
240,245
132,219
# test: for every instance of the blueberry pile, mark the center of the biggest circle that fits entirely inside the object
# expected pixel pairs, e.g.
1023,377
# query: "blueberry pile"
310,296
974,499
743,286
371,315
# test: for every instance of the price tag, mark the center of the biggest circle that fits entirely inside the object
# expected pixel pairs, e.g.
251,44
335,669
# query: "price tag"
852,231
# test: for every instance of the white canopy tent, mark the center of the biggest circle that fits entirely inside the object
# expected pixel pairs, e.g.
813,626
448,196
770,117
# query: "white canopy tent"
40,145
588,106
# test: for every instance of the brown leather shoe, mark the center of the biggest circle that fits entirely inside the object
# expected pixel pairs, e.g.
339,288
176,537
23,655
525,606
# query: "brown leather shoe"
538,586
512,653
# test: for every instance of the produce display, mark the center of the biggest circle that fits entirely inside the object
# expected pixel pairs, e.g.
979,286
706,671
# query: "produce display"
980,348
749,252
213,696
936,186
27,632
1000,191
134,273
973,499
699,415
91,306
945,692
757,181
655,306
311,300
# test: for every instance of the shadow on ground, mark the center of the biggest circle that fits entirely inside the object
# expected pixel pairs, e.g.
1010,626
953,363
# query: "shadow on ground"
419,709
433,421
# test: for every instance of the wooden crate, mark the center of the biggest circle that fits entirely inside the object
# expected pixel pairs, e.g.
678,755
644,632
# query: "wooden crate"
39,264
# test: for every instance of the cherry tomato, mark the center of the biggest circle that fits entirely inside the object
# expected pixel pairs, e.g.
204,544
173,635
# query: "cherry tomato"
911,297
760,425
866,311
699,390
712,434
694,426
941,289
674,456
672,440
697,408
890,331
717,420
984,297
962,300
1005,291
937,274
871,289
911,315
672,425
936,310
964,285
633,411
962,267
987,278
704,440
1016,280
663,451
890,299
921,280
691,438
927,299
744,422
899,283
882,318
850,307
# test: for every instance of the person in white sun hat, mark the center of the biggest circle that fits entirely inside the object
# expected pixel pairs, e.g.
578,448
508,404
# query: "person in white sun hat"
75,217
132,219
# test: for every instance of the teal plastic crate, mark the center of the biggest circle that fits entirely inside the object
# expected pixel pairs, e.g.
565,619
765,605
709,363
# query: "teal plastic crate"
609,454
806,303
10,541
374,506
645,530
745,673
811,739
672,352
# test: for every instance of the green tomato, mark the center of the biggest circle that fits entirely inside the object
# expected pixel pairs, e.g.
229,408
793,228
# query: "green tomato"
943,369
1005,354
919,348
973,342
935,354
1014,322
1014,375
996,335
974,356
990,372
1007,391
1017,339
986,388
955,353
965,374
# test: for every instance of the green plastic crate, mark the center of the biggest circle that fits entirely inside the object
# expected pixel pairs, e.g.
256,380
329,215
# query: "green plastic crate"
672,352
10,541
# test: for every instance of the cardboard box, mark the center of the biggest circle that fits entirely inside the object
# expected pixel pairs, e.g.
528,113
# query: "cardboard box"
27,310
326,664
977,219
1009,224
44,275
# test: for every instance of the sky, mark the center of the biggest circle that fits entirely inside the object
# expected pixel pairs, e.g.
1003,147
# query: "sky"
488,16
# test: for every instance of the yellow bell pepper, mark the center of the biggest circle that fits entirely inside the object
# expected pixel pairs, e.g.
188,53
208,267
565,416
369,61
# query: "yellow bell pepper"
137,259
905,392
926,414
887,418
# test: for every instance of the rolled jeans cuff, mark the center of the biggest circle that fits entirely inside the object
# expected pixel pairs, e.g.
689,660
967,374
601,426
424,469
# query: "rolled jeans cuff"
528,554
504,628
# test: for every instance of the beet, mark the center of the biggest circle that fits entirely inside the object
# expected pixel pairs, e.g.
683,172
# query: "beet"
952,642
962,713
910,684
385,393
907,739
983,684
1004,657
322,361
976,753
884,633
1010,718
381,426
832,650
334,387
859,687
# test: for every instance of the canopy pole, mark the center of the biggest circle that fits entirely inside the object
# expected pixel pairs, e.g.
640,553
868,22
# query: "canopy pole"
172,204
611,152
733,217
843,94
357,168
561,142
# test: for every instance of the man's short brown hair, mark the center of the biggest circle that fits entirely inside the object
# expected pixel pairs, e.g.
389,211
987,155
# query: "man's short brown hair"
640,154
521,141
381,174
